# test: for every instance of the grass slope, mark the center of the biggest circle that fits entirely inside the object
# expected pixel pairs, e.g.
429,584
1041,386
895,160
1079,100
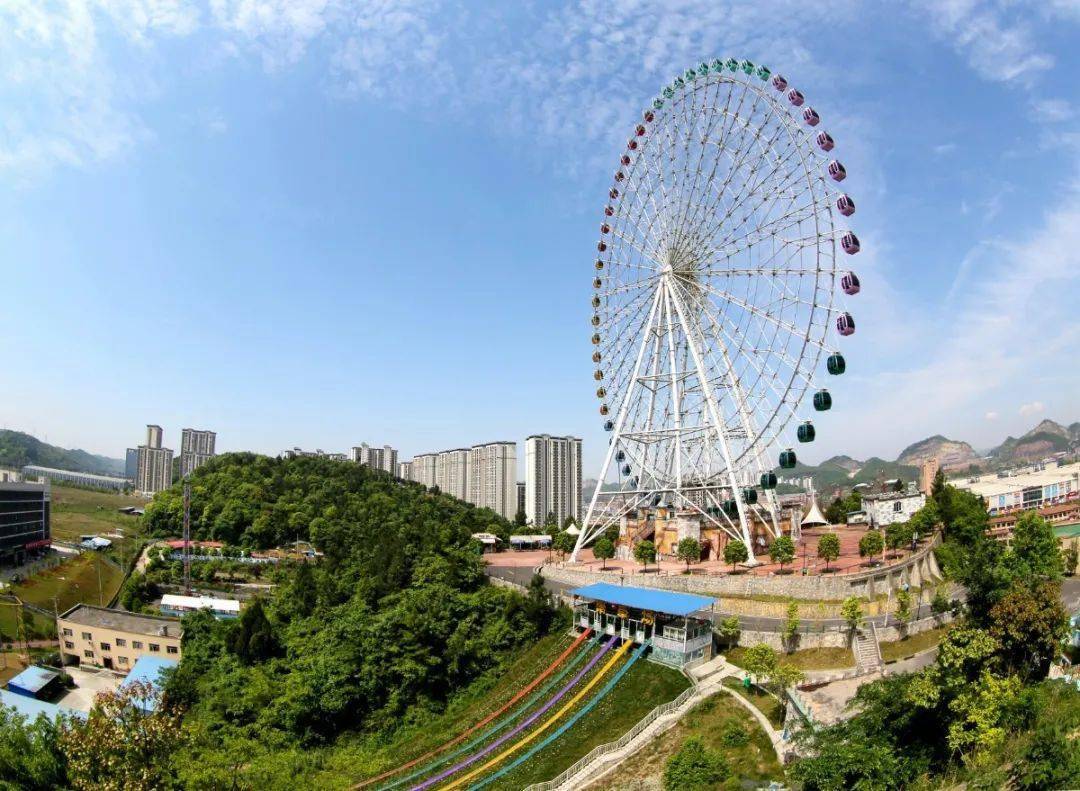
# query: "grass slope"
767,704
87,578
77,512
350,762
709,720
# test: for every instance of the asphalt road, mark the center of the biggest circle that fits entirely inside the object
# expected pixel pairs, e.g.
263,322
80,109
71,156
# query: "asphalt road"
522,575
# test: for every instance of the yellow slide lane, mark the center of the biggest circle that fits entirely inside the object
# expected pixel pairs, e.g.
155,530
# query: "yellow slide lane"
548,723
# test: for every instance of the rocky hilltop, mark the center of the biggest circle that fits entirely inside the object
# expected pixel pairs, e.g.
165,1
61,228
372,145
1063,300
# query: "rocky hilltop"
952,454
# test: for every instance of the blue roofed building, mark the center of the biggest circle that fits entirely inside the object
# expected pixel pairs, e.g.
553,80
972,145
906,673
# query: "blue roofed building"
149,669
32,707
678,625
34,682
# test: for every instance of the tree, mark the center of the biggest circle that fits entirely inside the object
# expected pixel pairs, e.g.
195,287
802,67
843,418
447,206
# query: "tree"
551,524
871,544
253,638
1070,556
782,551
828,548
730,629
940,603
30,756
851,612
695,768
1029,623
645,553
898,485
898,535
520,519
783,676
1035,548
689,551
121,745
791,624
903,605
735,552
568,522
603,549
760,661
564,543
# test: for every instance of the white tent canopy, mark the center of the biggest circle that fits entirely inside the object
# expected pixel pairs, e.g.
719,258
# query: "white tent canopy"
814,516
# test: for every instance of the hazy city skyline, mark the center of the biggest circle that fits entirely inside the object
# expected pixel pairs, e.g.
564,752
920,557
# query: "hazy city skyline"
475,265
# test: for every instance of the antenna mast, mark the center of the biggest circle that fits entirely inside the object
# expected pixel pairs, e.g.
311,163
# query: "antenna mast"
187,538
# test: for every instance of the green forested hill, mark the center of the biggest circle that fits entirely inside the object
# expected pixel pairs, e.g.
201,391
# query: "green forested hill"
395,620
18,449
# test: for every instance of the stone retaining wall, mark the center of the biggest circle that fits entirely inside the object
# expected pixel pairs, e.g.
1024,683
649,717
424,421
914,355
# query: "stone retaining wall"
917,570
840,636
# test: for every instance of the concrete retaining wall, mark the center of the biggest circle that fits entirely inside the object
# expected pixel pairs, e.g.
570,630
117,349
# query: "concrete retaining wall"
839,637
918,570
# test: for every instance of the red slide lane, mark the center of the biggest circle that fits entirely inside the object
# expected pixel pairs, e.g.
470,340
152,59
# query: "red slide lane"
461,736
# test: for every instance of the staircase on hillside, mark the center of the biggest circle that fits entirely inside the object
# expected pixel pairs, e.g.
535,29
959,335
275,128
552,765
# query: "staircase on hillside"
867,652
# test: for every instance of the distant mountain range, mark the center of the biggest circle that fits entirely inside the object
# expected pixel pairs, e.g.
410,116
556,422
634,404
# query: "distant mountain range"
1043,440
18,449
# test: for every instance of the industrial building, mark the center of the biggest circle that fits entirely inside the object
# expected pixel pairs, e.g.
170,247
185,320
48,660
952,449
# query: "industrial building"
87,479
24,521
1033,488
115,639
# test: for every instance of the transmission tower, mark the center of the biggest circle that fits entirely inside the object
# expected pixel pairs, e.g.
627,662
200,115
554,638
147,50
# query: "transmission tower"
187,538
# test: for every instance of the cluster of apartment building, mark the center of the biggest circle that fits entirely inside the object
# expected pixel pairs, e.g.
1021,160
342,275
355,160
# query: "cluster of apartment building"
486,476
149,466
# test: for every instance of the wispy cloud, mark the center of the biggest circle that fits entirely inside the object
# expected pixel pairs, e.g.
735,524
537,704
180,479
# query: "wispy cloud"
1034,408
991,415
993,37
1053,111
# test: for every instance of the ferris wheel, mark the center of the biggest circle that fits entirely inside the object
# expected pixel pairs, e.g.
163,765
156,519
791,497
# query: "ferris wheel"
716,300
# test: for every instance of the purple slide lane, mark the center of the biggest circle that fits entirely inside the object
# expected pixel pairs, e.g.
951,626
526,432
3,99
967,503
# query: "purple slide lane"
533,718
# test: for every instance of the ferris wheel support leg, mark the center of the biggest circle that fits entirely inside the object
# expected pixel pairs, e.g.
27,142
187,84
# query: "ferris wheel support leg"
590,530
744,523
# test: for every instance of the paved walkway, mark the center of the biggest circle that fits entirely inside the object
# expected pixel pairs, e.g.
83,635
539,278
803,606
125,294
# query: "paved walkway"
709,681
805,557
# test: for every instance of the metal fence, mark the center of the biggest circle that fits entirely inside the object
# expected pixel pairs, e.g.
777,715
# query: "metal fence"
606,749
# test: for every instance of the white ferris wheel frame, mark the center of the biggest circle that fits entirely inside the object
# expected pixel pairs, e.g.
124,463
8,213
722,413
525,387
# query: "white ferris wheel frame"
708,444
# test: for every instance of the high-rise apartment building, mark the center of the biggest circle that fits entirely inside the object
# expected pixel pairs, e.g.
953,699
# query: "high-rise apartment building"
196,448
131,464
452,472
154,472
492,477
422,469
384,458
552,478
404,470
520,498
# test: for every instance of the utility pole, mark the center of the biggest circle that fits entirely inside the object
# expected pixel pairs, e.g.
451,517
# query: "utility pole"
187,538
59,639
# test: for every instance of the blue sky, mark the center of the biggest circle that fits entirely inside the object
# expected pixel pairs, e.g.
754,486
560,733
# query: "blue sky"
320,222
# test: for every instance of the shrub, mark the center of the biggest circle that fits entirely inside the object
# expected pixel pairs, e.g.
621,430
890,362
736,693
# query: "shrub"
734,735
695,768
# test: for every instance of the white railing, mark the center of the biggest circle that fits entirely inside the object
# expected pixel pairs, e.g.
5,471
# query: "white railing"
610,747
693,644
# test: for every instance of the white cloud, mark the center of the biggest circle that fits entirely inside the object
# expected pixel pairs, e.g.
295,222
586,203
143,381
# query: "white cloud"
997,44
1053,111
991,415
1014,318
1034,408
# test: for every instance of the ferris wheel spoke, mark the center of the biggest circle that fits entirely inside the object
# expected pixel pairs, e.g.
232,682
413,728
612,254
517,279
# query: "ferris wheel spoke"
769,378
756,311
693,221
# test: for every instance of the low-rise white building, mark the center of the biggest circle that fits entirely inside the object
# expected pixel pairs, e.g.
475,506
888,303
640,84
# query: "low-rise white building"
890,507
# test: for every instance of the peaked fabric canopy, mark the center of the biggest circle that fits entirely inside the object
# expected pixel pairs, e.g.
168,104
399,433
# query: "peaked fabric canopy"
814,515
